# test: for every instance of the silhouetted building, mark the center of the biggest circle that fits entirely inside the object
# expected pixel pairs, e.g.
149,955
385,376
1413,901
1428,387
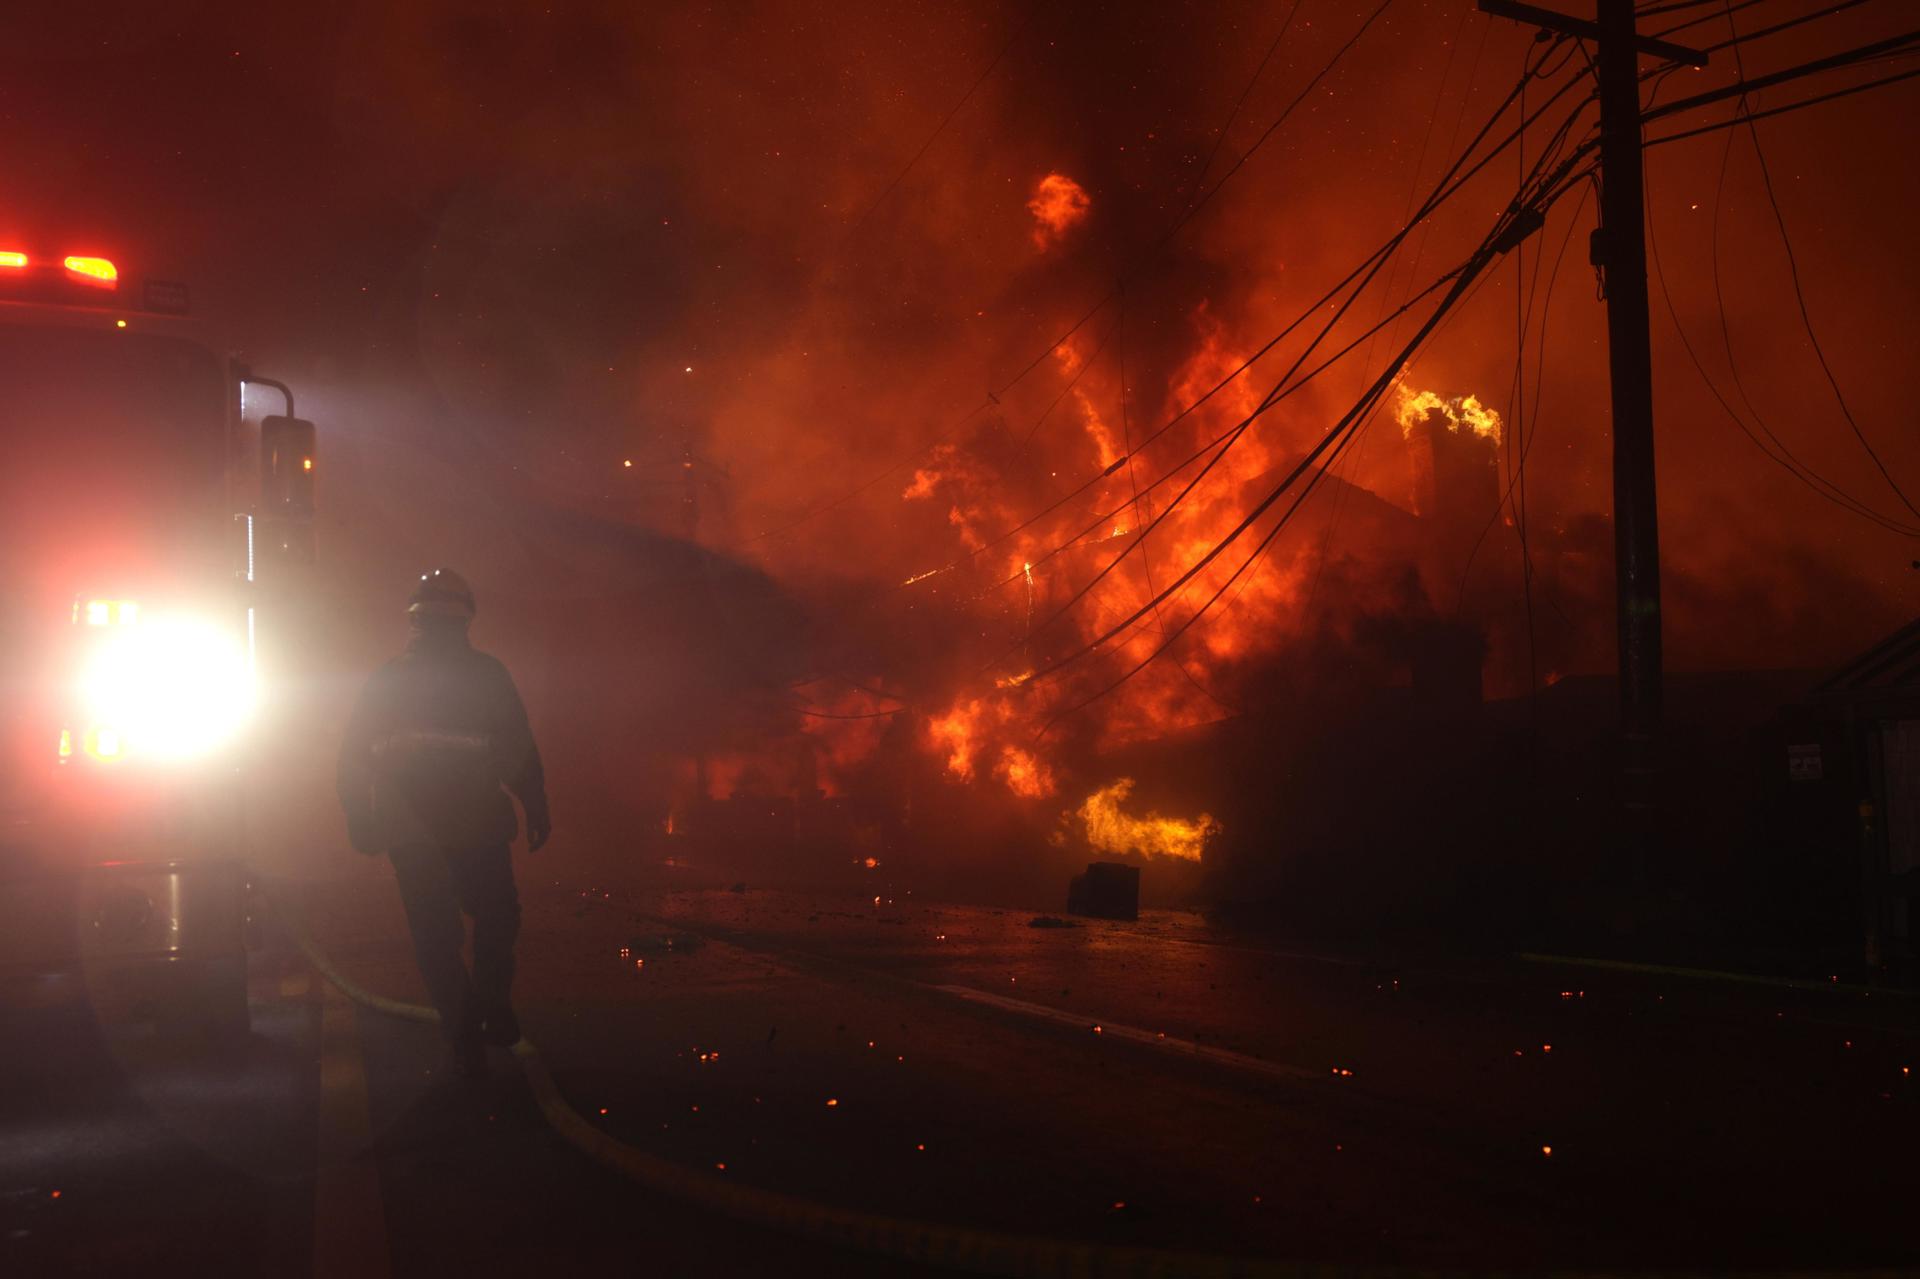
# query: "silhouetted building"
1872,708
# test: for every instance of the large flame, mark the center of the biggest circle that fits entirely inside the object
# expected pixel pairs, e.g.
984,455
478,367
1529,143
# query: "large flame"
986,735
1462,413
965,735
1110,828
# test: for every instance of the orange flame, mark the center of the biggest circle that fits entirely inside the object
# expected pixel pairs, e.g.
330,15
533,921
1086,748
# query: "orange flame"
1058,205
1024,774
1113,830
965,733
1462,413
1104,435
954,733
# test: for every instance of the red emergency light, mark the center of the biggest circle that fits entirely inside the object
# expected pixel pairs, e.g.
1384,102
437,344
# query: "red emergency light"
82,279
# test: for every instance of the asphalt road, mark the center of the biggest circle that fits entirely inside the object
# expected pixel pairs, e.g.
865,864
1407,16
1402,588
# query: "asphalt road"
1150,1085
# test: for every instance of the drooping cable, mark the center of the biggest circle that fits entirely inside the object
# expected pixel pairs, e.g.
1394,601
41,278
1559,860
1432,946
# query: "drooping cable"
821,508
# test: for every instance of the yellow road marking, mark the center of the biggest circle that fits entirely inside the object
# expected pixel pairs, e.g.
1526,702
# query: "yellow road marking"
349,1221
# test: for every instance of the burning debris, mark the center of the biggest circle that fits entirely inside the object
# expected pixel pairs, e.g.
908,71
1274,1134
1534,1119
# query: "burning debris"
1111,829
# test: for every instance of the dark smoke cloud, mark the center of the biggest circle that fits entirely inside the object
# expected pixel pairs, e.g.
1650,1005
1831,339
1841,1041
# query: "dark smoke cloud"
494,239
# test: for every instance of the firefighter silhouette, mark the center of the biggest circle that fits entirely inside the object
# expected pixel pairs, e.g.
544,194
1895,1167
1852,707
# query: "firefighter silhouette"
436,740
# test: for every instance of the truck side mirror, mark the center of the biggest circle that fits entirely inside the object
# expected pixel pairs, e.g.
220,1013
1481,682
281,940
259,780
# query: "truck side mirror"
286,466
286,485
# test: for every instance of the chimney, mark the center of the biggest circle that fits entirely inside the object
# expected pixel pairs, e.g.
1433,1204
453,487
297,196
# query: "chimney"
1456,487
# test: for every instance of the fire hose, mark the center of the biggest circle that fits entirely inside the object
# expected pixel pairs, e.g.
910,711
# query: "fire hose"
954,1248
921,1243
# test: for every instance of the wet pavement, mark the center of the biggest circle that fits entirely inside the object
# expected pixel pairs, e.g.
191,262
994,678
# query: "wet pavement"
1158,1083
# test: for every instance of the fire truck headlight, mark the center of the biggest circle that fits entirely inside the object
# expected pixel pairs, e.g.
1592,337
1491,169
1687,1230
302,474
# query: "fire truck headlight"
170,688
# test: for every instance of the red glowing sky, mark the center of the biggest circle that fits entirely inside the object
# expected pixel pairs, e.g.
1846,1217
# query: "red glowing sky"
536,223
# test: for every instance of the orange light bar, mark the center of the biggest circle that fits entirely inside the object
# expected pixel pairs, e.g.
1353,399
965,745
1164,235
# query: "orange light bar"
12,259
99,271
306,464
66,744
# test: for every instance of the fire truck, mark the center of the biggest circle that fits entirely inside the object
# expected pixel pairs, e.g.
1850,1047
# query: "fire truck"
146,529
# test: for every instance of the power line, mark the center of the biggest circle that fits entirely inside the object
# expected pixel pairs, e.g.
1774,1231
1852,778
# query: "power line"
947,119
1146,563
1170,473
1694,22
1463,278
1444,190
1447,186
1779,77
1744,87
1676,6
1339,436
1736,40
1800,299
1219,140
1516,481
1520,219
1351,425
1281,119
993,396
1344,431
1085,366
1539,382
1722,313
1785,458
1419,253
1371,268
1738,120
1413,188
1775,450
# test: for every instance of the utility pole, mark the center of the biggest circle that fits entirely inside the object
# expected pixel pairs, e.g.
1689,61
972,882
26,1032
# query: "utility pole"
1622,256
1619,249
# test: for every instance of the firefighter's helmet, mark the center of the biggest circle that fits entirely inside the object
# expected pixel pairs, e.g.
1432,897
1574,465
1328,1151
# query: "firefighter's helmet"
441,592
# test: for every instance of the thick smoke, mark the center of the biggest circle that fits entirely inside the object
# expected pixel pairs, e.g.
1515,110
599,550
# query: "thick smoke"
737,306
